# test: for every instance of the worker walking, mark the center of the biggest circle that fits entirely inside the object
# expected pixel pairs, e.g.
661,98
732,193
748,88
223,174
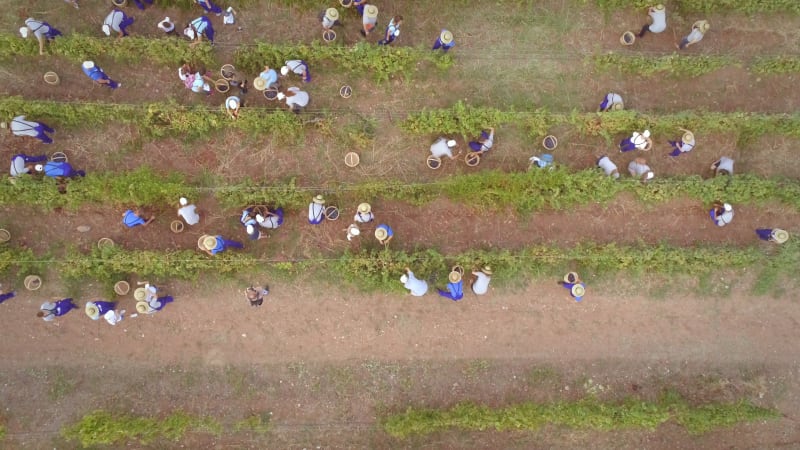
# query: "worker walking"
98,76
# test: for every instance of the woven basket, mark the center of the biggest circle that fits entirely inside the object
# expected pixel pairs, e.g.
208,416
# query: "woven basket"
105,242
433,162
472,159
550,142
5,235
227,71
332,213
51,78
122,287
222,85
345,91
627,38
176,226
59,157
328,36
351,159
271,93
32,282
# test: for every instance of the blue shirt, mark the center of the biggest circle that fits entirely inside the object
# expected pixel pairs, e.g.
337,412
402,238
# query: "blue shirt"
220,246
95,73
200,24
456,290
57,169
569,286
389,232
270,76
131,219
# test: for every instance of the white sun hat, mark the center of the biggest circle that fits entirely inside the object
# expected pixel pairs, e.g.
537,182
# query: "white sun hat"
285,70
23,31
88,64
233,103
183,201
281,96
451,143
403,278
259,218
189,32
106,30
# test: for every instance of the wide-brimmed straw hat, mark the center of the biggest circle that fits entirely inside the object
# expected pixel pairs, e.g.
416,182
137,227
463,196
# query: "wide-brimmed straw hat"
209,243
259,83
659,7
487,270
446,37
142,307
381,234
703,25
364,208
332,14
578,290
571,277
617,106
454,277
139,294
371,11
92,311
688,136
780,236
319,199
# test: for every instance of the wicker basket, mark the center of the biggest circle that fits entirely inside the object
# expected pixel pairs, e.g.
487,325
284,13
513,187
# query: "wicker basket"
345,91
627,38
550,142
433,162
122,287
222,85
51,78
351,159
105,242
5,235
32,282
176,226
472,159
227,71
332,213
328,36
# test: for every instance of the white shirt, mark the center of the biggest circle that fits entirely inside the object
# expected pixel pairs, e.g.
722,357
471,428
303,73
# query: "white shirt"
112,317
724,218
659,20
440,148
300,98
487,144
189,214
39,28
296,66
639,140
613,98
686,146
18,166
22,127
113,19
315,211
481,285
608,166
637,170
327,23
150,292
417,287
364,218
269,222
695,36
726,163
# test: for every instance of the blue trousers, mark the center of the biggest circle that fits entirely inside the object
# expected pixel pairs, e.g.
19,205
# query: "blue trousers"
30,159
126,22
52,33
140,5
447,294
164,300
6,296
210,7
41,129
104,307
64,306
764,234
226,243
626,145
438,44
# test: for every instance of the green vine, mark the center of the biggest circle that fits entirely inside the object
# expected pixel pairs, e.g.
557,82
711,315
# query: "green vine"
674,64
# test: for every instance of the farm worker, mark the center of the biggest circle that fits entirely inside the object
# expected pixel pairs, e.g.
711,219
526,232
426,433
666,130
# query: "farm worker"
49,311
194,80
167,26
254,233
98,308
443,147
270,76
608,166
455,288
232,105
296,99
229,16
722,166
209,6
445,41
360,6
112,317
637,141
152,303
22,127
541,161
188,212
416,287
612,102
256,295
484,143
364,213
55,169
721,213
699,29
237,79
133,218
272,220
42,30
140,5
98,76
316,210
773,235
369,19
297,66
638,168
329,18
352,231
576,288
22,164
392,30
117,20
197,28
480,280
384,234
215,244
658,20
685,144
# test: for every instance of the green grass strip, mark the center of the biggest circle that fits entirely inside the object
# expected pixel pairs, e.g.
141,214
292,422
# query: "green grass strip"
708,6
104,428
675,65
776,64
588,413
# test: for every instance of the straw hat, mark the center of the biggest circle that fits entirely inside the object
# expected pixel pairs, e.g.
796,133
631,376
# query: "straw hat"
106,29
88,64
578,290
703,25
183,201
403,278
364,208
659,7
332,14
381,234
371,11
627,38
446,37
23,31
780,236
571,277
92,311
688,137
285,70
140,294
454,277
487,270
209,243
319,199
259,83
233,103
617,107
142,307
